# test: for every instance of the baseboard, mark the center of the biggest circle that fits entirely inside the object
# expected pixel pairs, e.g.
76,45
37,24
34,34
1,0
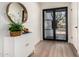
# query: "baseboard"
37,42
74,49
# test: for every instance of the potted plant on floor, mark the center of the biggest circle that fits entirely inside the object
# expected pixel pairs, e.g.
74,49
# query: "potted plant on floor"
15,29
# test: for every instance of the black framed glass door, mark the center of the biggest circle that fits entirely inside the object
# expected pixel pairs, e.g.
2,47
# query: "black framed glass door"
48,31
55,24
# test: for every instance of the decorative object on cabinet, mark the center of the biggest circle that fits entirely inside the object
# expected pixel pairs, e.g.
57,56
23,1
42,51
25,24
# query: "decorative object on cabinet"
15,29
25,30
17,12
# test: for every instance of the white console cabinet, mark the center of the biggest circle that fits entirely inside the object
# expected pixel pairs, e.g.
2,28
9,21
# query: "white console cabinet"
21,46
1,47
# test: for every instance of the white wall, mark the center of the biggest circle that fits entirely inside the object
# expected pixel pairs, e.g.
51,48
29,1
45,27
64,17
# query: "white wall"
33,22
3,26
46,5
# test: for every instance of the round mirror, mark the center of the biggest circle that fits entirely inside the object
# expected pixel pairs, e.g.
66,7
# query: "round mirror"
16,12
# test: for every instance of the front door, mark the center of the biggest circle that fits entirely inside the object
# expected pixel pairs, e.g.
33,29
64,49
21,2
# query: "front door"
55,24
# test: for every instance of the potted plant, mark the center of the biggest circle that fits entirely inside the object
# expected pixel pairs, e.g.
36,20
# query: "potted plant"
15,29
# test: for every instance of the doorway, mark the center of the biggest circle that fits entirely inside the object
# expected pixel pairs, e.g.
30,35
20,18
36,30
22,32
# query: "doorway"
55,24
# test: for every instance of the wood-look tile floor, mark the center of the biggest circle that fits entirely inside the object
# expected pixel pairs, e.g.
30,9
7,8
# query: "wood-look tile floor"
53,49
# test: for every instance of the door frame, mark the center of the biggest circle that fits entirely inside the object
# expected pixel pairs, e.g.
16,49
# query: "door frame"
66,22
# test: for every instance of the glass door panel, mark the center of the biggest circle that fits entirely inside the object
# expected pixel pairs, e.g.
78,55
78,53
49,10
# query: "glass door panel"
48,15
48,18
60,18
48,34
48,25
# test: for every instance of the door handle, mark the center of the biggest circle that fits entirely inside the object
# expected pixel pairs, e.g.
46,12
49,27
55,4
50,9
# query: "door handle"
76,26
53,24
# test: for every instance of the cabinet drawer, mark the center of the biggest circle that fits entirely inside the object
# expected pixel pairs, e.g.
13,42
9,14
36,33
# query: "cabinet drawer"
0,52
22,46
22,50
8,47
23,41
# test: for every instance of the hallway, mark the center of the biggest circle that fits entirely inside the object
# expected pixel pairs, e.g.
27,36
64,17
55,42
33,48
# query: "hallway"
53,49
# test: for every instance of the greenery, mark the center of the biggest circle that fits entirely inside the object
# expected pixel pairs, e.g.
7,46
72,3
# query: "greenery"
13,27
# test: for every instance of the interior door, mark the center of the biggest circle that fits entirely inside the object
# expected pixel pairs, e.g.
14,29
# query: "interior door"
75,25
78,26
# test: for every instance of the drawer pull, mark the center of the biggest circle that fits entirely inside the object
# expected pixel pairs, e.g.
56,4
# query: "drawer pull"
27,44
6,53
